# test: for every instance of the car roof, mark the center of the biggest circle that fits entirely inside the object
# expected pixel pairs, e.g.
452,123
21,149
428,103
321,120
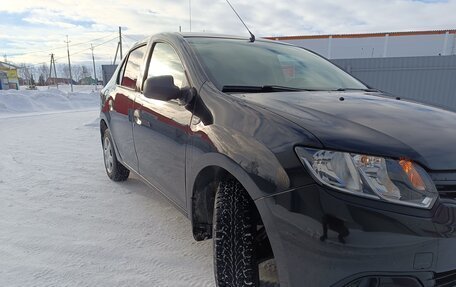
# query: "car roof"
212,35
205,35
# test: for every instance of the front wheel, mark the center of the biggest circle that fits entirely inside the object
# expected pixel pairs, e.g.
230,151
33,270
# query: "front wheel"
233,237
115,170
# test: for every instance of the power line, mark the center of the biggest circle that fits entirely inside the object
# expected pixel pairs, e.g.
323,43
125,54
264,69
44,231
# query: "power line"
75,53
60,47
130,37
128,41
86,49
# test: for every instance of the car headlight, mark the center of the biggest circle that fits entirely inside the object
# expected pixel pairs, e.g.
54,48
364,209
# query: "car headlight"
398,181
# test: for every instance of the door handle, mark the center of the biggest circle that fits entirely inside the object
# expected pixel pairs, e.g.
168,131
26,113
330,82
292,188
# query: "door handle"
137,117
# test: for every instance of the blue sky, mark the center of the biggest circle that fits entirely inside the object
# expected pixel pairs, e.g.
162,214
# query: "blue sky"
13,18
41,26
25,19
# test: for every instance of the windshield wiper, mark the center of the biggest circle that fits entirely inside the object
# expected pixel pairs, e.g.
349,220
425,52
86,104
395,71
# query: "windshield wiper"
355,89
260,89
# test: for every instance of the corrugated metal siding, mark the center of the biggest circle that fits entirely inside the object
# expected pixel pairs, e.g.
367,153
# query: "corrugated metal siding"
379,45
430,80
108,71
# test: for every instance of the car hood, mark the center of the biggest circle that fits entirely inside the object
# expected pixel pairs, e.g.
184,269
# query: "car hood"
370,123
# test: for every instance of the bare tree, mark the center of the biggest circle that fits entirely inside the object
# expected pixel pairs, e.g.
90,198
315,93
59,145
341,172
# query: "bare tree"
41,81
65,71
23,72
77,72
28,73
44,71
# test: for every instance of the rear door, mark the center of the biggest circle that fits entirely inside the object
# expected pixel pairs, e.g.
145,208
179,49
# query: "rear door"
122,104
161,132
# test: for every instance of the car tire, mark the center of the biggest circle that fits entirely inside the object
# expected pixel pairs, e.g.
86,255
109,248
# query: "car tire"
233,237
115,170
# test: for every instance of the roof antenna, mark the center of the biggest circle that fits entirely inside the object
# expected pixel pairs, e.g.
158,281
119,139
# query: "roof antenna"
252,37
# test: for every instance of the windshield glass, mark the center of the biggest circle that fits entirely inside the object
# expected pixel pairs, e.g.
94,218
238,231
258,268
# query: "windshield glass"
237,63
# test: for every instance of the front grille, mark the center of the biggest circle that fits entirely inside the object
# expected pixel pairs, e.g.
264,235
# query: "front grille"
447,191
445,183
445,279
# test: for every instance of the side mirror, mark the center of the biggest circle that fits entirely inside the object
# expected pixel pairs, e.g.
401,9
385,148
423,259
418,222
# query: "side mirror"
161,88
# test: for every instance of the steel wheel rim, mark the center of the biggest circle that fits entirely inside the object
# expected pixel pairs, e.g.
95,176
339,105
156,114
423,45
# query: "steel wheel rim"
108,156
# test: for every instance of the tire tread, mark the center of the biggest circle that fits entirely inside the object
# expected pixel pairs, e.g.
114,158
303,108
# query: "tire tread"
234,256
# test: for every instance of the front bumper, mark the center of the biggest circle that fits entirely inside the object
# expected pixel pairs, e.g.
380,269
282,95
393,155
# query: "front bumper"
324,238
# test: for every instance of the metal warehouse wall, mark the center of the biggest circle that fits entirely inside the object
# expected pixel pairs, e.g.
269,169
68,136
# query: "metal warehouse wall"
429,80
108,71
378,45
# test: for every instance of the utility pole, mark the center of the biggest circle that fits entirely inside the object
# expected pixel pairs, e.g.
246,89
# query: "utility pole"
69,63
94,71
55,73
119,47
120,42
5,57
50,66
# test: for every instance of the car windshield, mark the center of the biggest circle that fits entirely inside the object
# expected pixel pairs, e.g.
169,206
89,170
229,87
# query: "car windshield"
260,66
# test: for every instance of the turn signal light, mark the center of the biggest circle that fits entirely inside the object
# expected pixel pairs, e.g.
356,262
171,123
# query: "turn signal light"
412,174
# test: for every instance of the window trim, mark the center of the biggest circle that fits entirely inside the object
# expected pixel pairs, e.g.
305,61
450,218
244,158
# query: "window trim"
121,71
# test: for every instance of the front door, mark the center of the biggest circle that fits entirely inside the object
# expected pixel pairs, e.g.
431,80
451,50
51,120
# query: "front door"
161,129
121,106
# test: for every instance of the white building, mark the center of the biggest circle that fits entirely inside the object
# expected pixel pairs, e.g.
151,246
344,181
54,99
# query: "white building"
378,45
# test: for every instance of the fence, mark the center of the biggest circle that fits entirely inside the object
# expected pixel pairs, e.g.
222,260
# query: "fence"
108,71
430,80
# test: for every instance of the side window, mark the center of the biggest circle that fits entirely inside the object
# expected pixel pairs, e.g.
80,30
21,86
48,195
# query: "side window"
164,62
135,59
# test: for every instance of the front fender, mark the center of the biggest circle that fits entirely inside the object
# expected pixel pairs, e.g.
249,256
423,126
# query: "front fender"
224,162
244,157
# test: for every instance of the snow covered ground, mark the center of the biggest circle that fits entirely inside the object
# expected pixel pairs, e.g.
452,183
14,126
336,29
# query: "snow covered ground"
64,223
48,99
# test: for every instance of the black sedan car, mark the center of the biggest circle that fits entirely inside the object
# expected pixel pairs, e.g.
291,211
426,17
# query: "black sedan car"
274,152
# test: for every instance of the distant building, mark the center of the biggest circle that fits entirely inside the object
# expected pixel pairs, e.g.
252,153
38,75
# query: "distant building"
378,45
3,80
8,77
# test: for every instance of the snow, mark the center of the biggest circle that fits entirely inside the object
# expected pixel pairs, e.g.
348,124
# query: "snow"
64,223
48,99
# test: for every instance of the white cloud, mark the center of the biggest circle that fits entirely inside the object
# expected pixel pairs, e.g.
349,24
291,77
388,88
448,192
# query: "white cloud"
85,20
